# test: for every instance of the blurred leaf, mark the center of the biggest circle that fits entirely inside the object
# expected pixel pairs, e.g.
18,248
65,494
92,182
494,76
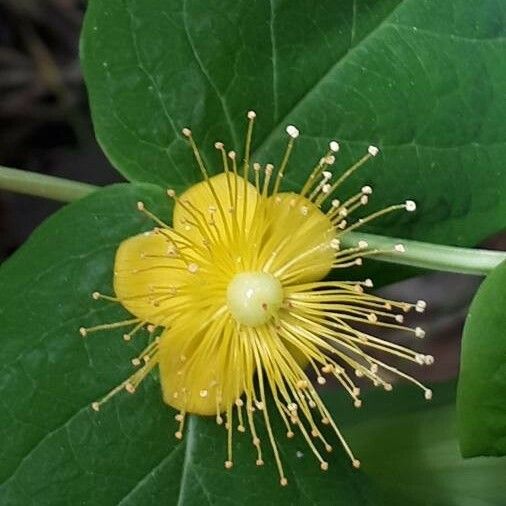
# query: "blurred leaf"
411,452
482,383
423,80
55,450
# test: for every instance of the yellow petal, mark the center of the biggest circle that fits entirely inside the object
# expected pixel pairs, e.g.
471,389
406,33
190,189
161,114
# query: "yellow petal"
221,199
303,234
197,371
146,278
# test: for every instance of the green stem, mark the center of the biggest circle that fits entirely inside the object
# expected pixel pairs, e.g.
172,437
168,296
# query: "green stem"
40,185
416,254
429,256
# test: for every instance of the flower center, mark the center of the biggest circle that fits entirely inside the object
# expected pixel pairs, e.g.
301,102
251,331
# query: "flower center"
254,298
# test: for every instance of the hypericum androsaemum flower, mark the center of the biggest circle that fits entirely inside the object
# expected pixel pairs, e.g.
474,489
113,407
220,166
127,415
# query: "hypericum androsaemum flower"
246,320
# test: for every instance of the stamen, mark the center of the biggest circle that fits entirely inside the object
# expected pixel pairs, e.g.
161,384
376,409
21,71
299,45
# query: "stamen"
325,161
229,426
98,296
129,385
334,146
410,206
180,417
247,154
293,133
373,150
142,208
375,215
349,172
187,133
107,326
268,172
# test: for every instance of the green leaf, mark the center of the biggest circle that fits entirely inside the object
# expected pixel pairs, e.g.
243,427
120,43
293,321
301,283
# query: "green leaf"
411,451
55,449
482,383
422,80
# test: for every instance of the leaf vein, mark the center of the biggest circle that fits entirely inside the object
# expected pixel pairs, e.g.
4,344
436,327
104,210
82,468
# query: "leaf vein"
207,75
274,133
274,58
151,473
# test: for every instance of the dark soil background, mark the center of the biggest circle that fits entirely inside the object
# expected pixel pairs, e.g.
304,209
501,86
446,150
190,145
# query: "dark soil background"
45,127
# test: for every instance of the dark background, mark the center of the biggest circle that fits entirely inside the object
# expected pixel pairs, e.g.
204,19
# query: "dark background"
45,123
45,127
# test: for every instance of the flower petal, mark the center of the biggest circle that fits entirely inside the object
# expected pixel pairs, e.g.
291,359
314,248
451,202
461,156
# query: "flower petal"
220,199
300,234
146,277
200,365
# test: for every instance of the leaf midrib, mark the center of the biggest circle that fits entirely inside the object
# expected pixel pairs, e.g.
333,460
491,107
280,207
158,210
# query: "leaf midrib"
341,61
171,455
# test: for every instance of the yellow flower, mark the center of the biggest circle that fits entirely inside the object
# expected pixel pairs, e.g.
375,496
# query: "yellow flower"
236,289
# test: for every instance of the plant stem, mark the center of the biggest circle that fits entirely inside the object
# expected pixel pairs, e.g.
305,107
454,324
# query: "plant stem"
427,255
40,185
416,254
